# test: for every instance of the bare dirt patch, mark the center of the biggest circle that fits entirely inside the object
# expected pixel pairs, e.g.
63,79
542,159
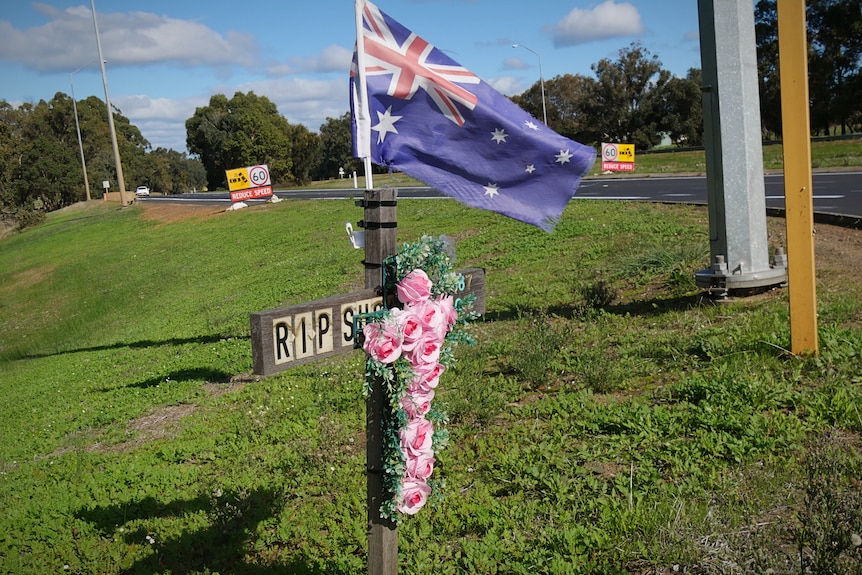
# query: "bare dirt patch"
837,253
26,279
167,422
167,214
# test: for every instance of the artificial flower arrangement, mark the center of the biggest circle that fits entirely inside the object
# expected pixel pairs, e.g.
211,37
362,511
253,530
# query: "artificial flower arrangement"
409,347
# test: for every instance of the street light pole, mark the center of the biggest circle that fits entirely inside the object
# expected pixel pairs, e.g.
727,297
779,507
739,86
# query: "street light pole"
541,79
78,130
121,182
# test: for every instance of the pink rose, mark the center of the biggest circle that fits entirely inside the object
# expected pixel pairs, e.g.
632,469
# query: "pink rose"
432,317
447,307
420,467
427,377
416,437
414,494
418,403
382,342
413,288
411,327
426,351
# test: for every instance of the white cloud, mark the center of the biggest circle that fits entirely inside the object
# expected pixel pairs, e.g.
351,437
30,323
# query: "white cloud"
333,58
605,20
300,100
506,85
515,64
162,121
67,41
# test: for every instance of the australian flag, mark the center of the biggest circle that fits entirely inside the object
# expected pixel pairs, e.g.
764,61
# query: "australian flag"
417,111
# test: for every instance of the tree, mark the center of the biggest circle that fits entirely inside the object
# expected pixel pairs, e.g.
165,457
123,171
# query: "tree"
305,153
834,61
248,130
623,105
566,97
835,36
336,148
766,34
206,133
679,109
172,172
40,163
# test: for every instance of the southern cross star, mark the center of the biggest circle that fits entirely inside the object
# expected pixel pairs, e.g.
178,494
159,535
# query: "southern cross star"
386,124
499,136
532,125
563,157
530,169
492,190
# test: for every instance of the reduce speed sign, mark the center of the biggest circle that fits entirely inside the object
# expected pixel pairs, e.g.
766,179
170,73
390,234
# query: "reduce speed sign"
259,175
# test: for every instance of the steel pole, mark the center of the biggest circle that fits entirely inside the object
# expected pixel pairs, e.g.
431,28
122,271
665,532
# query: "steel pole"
541,80
78,130
121,182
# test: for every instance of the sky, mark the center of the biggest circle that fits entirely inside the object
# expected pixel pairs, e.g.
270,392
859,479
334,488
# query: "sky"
165,58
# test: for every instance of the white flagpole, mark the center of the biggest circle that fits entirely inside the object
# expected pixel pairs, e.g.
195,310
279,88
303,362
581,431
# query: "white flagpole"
363,115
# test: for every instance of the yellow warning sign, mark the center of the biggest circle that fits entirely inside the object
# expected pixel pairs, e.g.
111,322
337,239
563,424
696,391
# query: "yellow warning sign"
626,153
237,179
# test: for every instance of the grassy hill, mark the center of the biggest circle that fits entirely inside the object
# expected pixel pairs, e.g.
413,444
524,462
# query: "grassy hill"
609,419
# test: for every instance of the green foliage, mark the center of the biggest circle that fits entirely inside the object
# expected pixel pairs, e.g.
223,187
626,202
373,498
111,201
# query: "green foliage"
336,150
657,433
247,130
630,89
534,350
41,161
834,65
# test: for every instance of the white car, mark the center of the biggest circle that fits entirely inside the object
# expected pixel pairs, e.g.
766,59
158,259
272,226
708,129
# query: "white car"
142,191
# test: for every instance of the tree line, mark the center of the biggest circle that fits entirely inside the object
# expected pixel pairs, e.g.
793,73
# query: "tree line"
834,66
630,99
40,162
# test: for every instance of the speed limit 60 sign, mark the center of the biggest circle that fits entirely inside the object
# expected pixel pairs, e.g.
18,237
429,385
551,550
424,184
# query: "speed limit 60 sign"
618,157
250,177
259,175
250,183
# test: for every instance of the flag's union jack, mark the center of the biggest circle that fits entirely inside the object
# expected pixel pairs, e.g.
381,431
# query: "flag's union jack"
408,63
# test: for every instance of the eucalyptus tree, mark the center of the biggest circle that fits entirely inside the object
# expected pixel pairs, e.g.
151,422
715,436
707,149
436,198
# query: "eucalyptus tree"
248,130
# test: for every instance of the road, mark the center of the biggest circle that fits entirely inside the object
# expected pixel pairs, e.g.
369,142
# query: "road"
835,193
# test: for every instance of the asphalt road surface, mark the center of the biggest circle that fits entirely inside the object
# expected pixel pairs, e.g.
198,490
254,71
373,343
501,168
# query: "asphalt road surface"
835,193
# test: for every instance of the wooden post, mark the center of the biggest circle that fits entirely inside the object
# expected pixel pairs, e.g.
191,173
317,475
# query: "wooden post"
798,195
382,533
380,225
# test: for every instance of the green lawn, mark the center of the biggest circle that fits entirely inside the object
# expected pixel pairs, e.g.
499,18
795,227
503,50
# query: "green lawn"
609,419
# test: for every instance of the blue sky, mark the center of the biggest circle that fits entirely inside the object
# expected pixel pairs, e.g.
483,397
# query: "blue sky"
167,57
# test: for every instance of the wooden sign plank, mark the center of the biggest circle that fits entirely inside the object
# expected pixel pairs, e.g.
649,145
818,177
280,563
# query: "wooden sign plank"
290,336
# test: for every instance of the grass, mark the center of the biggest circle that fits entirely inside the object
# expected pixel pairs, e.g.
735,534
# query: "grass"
829,154
609,419
824,154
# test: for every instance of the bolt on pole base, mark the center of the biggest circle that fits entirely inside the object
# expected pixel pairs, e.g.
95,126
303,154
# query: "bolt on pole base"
720,282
